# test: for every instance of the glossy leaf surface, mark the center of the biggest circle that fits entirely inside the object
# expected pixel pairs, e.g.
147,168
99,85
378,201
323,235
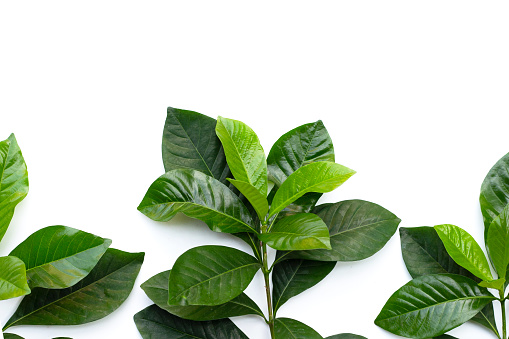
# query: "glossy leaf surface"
431,305
59,256
101,292
495,191
13,180
156,289
358,229
300,146
303,231
320,177
346,336
497,242
12,336
210,275
292,277
464,250
257,200
155,323
13,279
198,196
244,153
190,141
286,328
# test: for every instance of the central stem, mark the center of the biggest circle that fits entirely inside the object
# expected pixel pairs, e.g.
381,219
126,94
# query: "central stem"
266,273
504,321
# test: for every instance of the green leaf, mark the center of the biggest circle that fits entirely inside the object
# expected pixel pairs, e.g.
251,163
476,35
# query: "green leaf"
496,284
244,153
303,231
346,336
155,323
210,275
13,279
13,180
495,191
292,277
497,242
300,146
358,229
286,328
12,336
59,256
190,141
320,177
431,305
101,292
198,196
464,250
257,200
156,289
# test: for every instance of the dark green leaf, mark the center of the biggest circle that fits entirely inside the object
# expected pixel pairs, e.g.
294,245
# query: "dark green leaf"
303,231
156,289
59,256
190,141
292,277
12,336
346,336
244,153
495,191
286,328
358,229
13,278
257,200
253,242
320,177
101,292
13,180
497,242
465,251
198,196
431,305
210,275
155,323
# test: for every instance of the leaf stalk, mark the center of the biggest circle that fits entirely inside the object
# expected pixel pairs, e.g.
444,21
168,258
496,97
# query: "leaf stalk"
266,274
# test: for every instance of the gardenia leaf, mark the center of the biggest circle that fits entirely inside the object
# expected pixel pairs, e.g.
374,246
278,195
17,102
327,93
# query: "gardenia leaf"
101,292
465,251
59,256
431,305
190,141
12,336
346,336
321,177
210,275
244,153
156,289
198,196
13,279
155,323
303,231
286,328
13,180
497,242
257,200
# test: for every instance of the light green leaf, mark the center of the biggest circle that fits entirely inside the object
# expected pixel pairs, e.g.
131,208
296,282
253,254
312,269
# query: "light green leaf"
244,153
210,275
13,279
303,231
320,177
257,200
13,180
59,256
464,250
198,196
496,284
497,242
286,328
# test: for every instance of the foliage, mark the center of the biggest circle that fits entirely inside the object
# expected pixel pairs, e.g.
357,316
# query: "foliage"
217,172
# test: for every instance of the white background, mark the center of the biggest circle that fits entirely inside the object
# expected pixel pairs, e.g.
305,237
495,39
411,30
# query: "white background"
414,95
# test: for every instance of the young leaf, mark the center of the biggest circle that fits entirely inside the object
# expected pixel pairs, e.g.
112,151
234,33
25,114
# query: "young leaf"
286,328
13,180
303,231
496,284
13,278
431,305
244,153
155,323
156,289
101,292
346,336
321,177
190,141
210,275
198,196
358,229
59,256
465,251
292,277
497,242
257,200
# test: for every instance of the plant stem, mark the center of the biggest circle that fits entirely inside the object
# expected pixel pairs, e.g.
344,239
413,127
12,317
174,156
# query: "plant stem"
504,320
266,273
